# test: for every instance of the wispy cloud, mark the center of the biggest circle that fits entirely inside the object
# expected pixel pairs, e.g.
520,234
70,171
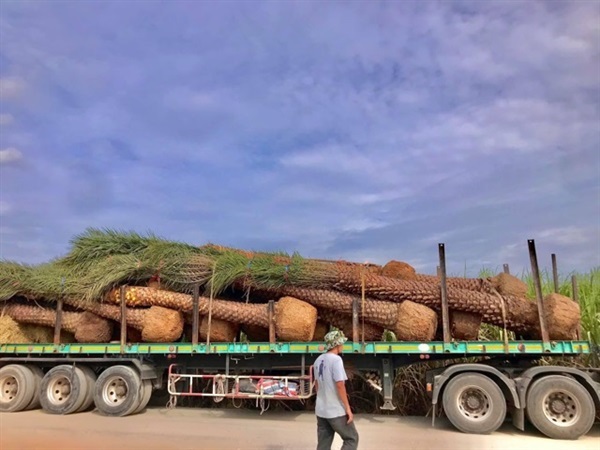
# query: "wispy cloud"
10,155
367,131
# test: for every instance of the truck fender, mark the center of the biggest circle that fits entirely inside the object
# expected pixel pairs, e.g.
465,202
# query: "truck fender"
506,384
526,378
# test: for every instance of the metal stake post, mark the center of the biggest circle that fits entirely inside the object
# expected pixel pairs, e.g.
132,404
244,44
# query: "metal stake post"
355,325
123,319
196,313
576,299
444,294
271,310
555,272
538,289
506,269
59,313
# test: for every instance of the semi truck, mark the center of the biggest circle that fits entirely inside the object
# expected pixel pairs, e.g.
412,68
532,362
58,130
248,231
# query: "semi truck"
119,378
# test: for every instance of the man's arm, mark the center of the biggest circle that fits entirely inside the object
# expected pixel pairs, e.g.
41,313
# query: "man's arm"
341,390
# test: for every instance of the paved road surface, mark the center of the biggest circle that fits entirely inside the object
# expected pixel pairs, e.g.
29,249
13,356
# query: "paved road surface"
184,428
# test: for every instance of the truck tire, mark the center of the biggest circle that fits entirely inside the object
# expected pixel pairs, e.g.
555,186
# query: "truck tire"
17,388
560,407
38,376
63,390
118,391
146,394
474,403
90,381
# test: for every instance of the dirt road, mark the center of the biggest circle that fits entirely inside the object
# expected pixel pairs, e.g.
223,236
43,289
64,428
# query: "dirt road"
183,429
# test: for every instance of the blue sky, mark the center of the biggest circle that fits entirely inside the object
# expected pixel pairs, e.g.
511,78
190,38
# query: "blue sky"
364,131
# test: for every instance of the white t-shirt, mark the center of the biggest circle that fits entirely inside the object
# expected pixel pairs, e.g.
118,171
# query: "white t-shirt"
328,370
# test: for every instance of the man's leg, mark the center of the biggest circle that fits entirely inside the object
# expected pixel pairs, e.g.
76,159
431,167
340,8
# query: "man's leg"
325,434
347,431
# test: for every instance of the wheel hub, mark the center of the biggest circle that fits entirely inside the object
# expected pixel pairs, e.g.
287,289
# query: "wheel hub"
474,403
561,408
115,391
9,386
59,390
558,406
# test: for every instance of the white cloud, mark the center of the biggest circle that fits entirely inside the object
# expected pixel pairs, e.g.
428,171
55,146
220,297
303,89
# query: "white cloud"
5,208
566,235
10,155
6,119
11,87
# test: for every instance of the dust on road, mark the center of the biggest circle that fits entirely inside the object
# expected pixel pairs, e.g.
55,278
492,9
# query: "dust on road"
184,429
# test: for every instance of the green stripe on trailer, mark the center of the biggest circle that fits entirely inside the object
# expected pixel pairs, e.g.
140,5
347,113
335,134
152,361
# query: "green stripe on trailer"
369,348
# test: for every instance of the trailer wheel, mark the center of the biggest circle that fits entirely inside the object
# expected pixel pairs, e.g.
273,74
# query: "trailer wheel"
474,404
118,391
560,407
63,390
38,376
146,394
17,388
90,381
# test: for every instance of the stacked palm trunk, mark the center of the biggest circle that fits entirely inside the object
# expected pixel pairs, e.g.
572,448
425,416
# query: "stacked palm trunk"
311,296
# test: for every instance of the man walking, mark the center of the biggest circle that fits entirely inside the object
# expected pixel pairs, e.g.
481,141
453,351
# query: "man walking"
333,409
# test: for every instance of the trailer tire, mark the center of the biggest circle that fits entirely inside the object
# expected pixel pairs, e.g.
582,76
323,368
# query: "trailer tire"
146,394
560,407
90,381
17,388
63,390
474,403
38,376
118,391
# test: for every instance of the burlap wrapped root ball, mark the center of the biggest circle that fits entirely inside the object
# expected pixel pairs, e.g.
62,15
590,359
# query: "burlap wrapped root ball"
562,315
92,328
220,330
464,326
507,284
162,325
399,270
295,320
415,322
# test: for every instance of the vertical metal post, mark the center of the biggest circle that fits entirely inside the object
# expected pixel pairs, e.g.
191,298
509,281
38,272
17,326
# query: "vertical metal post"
576,299
58,324
444,294
271,309
555,272
438,271
355,311
506,269
538,289
59,313
196,314
123,319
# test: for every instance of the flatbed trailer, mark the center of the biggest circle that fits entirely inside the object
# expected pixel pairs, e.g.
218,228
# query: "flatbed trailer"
119,378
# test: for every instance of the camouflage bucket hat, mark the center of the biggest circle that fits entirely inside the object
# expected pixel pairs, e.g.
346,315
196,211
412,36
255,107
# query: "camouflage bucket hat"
334,338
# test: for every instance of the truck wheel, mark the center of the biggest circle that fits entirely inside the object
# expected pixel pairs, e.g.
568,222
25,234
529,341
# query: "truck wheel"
118,391
145,397
17,388
474,404
63,390
560,407
38,376
90,381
